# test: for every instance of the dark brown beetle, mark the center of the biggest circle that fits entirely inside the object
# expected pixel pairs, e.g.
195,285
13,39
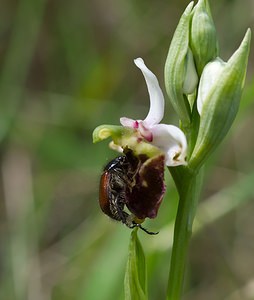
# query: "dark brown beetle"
117,181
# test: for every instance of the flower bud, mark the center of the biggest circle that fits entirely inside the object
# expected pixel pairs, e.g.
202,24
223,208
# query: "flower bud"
203,40
209,77
218,100
178,66
191,77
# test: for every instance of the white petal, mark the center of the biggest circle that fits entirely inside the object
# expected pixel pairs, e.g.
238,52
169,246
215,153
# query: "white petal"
156,111
191,77
172,141
127,122
209,77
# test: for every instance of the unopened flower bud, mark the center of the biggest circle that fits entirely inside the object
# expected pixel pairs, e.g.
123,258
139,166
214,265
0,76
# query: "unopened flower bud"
203,40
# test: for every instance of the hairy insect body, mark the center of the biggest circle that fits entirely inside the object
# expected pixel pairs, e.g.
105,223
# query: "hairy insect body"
117,181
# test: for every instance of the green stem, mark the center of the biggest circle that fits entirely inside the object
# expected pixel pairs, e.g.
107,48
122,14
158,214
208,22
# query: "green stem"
189,191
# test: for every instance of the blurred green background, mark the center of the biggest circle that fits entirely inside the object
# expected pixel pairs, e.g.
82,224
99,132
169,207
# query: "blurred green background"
66,67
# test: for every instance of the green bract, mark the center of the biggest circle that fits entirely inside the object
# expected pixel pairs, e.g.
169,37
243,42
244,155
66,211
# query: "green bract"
135,276
176,67
219,91
203,38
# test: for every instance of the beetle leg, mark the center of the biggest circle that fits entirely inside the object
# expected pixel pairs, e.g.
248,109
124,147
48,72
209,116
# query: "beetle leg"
117,207
133,225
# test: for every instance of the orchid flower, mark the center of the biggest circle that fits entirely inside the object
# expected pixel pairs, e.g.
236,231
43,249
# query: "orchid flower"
169,138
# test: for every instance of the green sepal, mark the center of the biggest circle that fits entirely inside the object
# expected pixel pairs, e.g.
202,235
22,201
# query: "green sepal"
175,66
135,285
221,104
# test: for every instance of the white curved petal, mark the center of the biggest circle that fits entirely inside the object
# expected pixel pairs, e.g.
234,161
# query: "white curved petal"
172,141
209,76
156,111
127,122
